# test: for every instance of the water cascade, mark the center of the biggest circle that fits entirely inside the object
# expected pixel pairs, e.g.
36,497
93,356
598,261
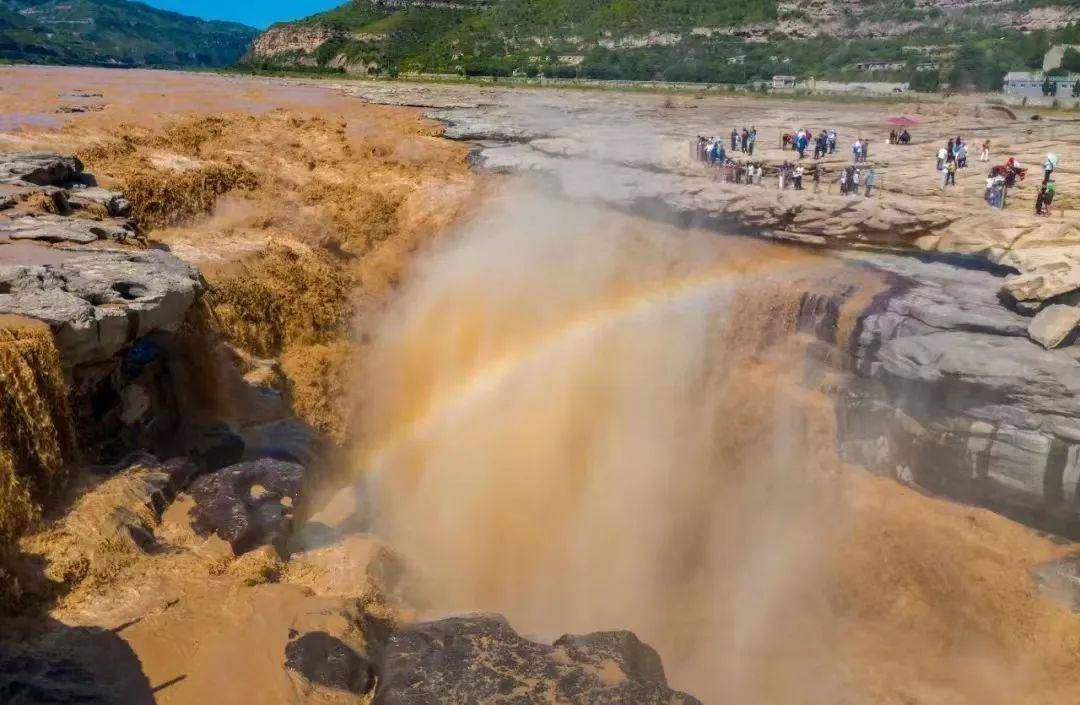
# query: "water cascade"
584,423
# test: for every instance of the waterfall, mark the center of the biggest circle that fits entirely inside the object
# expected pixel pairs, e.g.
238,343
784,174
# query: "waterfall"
583,422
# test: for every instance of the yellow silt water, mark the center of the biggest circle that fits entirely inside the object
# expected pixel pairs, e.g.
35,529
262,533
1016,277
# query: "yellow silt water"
37,438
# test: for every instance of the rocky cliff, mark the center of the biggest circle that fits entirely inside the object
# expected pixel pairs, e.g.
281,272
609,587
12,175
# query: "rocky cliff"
682,40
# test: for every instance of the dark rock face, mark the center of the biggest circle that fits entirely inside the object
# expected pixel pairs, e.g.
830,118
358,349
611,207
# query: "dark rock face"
39,168
249,504
84,666
478,659
944,389
327,661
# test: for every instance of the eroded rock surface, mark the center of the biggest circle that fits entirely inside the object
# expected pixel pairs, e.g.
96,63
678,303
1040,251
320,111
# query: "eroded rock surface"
54,228
41,168
249,504
480,658
97,302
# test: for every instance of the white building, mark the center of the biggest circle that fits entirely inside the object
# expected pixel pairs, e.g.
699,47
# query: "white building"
1028,84
782,83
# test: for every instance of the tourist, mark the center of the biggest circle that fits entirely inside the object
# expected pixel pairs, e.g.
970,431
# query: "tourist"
984,155
797,177
1048,167
753,141
941,159
843,181
961,155
988,194
950,173
1051,190
856,149
865,149
893,137
1040,199
854,182
832,141
870,176
734,139
782,174
950,152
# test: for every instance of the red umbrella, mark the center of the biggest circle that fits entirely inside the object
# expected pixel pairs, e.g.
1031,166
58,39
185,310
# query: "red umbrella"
902,121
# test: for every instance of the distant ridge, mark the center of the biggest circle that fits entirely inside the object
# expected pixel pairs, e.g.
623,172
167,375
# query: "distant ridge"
115,33
722,41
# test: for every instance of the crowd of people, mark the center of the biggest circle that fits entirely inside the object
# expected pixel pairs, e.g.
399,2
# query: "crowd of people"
901,137
859,177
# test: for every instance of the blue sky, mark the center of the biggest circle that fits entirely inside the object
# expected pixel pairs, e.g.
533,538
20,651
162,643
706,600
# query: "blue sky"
257,13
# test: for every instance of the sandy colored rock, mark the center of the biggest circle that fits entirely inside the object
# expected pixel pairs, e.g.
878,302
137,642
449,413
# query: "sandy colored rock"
54,229
1053,325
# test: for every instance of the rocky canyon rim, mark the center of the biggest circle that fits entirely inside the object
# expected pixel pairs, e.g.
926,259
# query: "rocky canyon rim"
901,598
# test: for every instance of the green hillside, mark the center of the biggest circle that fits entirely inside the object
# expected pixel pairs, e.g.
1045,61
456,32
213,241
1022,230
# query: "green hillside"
115,33
675,40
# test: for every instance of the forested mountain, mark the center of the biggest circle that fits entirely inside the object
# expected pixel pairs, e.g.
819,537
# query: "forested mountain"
115,32
680,40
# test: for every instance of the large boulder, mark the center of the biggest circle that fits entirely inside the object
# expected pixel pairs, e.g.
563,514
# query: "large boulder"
97,302
479,658
1053,325
318,660
248,504
41,168
112,202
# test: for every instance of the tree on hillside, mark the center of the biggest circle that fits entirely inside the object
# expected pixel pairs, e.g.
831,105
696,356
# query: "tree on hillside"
1076,89
1049,87
974,67
1071,61
922,81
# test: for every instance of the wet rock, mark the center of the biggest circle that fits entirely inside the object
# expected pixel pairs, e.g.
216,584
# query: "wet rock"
41,168
114,203
1060,581
73,109
1052,326
98,302
947,391
216,446
249,504
55,228
76,666
479,658
323,660
284,439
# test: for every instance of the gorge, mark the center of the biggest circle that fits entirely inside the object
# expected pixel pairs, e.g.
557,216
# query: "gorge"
805,448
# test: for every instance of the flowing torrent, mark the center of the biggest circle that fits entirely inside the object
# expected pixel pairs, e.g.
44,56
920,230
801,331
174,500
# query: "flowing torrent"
580,421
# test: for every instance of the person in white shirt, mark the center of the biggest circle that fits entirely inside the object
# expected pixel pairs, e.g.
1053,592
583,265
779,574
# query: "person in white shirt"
942,155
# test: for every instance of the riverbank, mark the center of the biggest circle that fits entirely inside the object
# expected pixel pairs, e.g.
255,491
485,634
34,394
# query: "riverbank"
512,364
